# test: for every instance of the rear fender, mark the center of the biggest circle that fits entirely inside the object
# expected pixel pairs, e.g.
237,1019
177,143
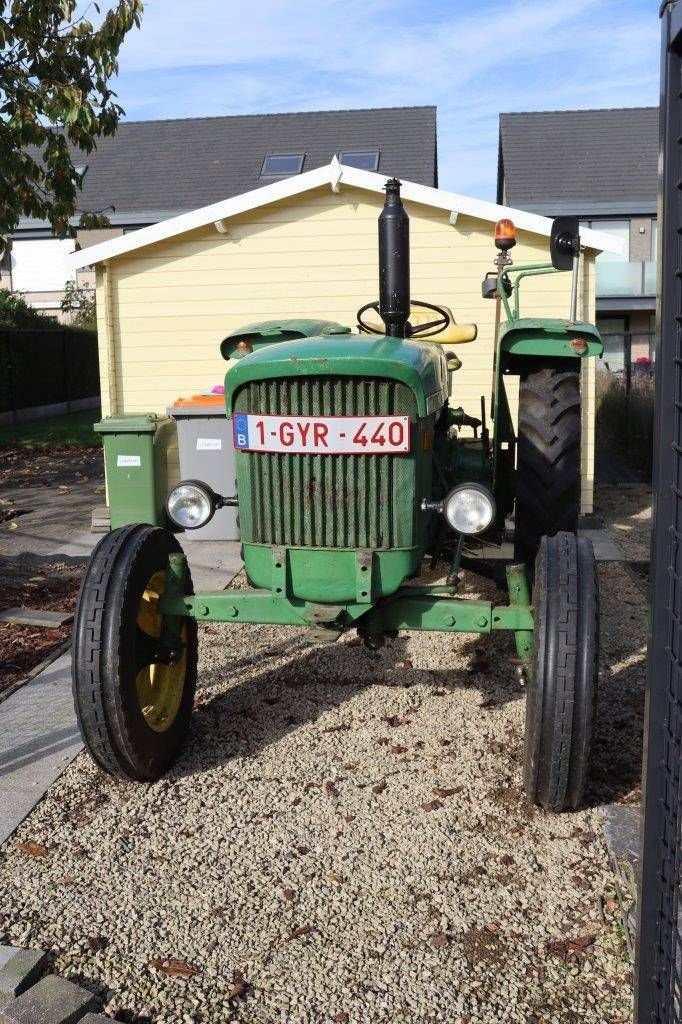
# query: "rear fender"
522,344
546,339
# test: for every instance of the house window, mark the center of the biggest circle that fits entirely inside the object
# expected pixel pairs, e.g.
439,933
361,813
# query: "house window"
38,265
616,275
276,164
364,159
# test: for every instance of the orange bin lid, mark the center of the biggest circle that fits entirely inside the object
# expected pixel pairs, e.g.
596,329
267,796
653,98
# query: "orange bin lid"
201,401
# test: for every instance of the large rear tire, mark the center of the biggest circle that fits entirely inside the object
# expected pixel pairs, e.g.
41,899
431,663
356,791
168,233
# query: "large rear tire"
548,465
562,690
133,708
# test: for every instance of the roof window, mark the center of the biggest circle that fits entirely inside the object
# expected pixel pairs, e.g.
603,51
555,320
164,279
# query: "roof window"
276,164
364,159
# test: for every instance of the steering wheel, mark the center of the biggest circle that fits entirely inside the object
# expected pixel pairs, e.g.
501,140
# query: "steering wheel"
433,327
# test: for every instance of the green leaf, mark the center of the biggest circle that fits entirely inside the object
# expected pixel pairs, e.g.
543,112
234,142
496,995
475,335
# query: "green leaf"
54,71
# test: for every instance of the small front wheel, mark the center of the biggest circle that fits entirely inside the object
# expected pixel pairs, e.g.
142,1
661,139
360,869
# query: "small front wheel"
562,691
133,700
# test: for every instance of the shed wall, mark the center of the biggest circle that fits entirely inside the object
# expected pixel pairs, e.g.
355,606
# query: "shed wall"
165,308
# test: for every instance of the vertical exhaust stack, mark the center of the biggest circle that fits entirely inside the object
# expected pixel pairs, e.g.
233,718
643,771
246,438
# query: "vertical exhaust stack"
394,262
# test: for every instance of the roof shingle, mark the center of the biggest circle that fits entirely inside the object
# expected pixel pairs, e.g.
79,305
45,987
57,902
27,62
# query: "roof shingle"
578,156
179,165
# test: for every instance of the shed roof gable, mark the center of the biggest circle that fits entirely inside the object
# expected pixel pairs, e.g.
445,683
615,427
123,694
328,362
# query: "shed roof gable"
335,175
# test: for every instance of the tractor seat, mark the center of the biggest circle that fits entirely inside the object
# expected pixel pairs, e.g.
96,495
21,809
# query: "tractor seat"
454,333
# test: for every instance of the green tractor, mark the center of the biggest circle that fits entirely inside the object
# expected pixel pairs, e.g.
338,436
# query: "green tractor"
352,466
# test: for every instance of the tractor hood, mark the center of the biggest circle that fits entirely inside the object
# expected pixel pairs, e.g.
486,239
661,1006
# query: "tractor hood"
418,365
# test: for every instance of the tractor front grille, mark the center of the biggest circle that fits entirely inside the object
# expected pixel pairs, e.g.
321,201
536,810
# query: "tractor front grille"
333,501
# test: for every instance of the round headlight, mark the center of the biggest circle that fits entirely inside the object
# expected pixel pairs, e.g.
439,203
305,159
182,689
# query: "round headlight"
469,508
190,505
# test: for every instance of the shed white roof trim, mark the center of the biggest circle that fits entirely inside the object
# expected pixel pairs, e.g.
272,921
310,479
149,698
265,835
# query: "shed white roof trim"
336,175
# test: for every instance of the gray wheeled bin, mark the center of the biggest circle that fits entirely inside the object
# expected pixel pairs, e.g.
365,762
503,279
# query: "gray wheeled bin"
206,453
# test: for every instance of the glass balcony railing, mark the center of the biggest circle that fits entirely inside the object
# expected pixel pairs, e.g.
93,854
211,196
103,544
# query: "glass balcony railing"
625,280
650,277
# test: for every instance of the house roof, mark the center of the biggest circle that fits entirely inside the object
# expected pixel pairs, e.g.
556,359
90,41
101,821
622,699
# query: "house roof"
160,168
337,177
580,161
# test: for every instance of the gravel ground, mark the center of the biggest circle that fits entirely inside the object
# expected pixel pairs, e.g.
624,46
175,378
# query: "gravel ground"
627,512
345,840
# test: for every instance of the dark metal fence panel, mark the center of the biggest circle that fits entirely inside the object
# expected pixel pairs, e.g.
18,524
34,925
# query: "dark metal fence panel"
659,953
46,367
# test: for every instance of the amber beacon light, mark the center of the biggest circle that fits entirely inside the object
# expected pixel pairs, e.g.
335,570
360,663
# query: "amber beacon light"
505,235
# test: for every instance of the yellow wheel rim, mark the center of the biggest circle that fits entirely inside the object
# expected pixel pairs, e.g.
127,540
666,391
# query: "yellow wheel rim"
159,686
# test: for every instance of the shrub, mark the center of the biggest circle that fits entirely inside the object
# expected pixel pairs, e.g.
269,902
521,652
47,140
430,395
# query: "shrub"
625,419
80,303
16,312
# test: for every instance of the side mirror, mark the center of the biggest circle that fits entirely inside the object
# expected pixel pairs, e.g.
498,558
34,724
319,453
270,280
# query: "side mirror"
565,242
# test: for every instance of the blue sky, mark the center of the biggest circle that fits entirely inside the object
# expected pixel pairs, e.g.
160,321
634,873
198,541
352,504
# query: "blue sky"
471,59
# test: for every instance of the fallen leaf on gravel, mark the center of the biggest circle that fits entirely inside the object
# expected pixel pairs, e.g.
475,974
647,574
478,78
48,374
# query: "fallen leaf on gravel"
405,664
97,942
348,818
380,787
174,968
443,792
240,986
570,950
439,940
394,720
33,849
431,805
302,850
507,860
341,1018
398,749
336,879
383,741
337,728
288,894
67,880
305,929
330,788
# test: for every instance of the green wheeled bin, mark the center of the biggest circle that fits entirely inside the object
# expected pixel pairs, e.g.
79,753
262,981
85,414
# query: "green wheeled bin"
135,449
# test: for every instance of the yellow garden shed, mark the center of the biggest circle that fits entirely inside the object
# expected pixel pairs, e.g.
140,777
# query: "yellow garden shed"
306,246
